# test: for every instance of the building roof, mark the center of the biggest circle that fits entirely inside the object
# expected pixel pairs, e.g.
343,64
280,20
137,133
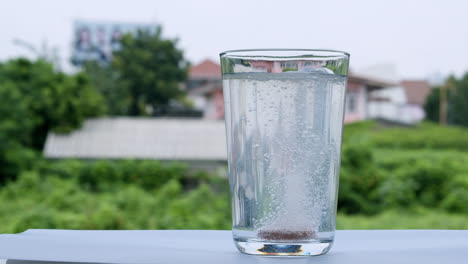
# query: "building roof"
416,91
370,80
206,69
141,138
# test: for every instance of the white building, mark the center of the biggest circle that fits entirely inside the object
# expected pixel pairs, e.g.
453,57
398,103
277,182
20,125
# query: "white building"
403,103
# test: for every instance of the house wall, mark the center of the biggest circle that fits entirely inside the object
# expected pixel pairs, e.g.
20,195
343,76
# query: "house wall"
214,108
215,105
395,106
405,113
355,92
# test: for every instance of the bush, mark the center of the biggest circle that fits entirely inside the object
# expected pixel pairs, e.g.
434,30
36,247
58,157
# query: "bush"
381,186
417,218
63,198
456,194
425,178
104,175
384,168
359,179
424,136
36,99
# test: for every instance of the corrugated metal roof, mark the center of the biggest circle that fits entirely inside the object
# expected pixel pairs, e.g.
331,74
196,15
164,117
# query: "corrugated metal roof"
141,138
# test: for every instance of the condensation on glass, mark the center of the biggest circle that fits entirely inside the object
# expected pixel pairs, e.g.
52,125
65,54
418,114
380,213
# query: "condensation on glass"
284,119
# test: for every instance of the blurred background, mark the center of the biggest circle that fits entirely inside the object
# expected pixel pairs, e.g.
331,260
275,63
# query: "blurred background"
111,112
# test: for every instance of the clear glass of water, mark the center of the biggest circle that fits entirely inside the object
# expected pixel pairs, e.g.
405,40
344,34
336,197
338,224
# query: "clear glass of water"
284,120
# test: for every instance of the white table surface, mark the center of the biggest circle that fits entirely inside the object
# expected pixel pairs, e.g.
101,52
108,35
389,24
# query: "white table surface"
201,246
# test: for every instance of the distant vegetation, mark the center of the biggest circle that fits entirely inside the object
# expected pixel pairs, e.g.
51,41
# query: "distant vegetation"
36,99
113,195
456,94
143,79
385,184
425,166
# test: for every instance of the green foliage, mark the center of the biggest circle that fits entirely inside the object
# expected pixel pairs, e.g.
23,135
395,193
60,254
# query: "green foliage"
113,89
386,168
457,98
456,195
359,179
382,186
13,110
358,130
79,195
432,105
36,99
458,106
151,68
417,218
55,101
289,69
16,127
426,135
105,175
424,178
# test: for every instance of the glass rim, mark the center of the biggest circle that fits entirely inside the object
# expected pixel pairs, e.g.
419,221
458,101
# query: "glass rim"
283,53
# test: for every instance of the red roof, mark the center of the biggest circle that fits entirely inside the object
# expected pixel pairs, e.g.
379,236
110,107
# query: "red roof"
206,69
416,91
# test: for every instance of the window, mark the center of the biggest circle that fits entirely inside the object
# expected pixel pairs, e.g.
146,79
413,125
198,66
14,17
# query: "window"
312,64
351,102
288,64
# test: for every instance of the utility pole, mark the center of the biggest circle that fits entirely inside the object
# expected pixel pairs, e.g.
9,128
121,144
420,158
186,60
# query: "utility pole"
443,105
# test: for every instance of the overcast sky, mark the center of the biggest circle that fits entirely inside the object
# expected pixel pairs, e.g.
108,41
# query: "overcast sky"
419,37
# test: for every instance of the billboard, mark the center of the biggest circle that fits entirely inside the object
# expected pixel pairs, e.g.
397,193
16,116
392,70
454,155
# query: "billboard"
94,41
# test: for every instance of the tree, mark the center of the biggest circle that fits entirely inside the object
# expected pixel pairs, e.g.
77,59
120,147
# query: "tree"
54,100
152,69
457,100
37,99
431,107
16,126
114,91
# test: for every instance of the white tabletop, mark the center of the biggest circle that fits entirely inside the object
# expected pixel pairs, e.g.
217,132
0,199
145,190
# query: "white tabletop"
200,246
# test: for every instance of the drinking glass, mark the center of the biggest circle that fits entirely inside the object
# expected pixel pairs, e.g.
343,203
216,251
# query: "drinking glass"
284,120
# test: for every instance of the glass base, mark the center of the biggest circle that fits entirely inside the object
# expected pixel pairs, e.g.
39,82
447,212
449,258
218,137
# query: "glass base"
283,249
